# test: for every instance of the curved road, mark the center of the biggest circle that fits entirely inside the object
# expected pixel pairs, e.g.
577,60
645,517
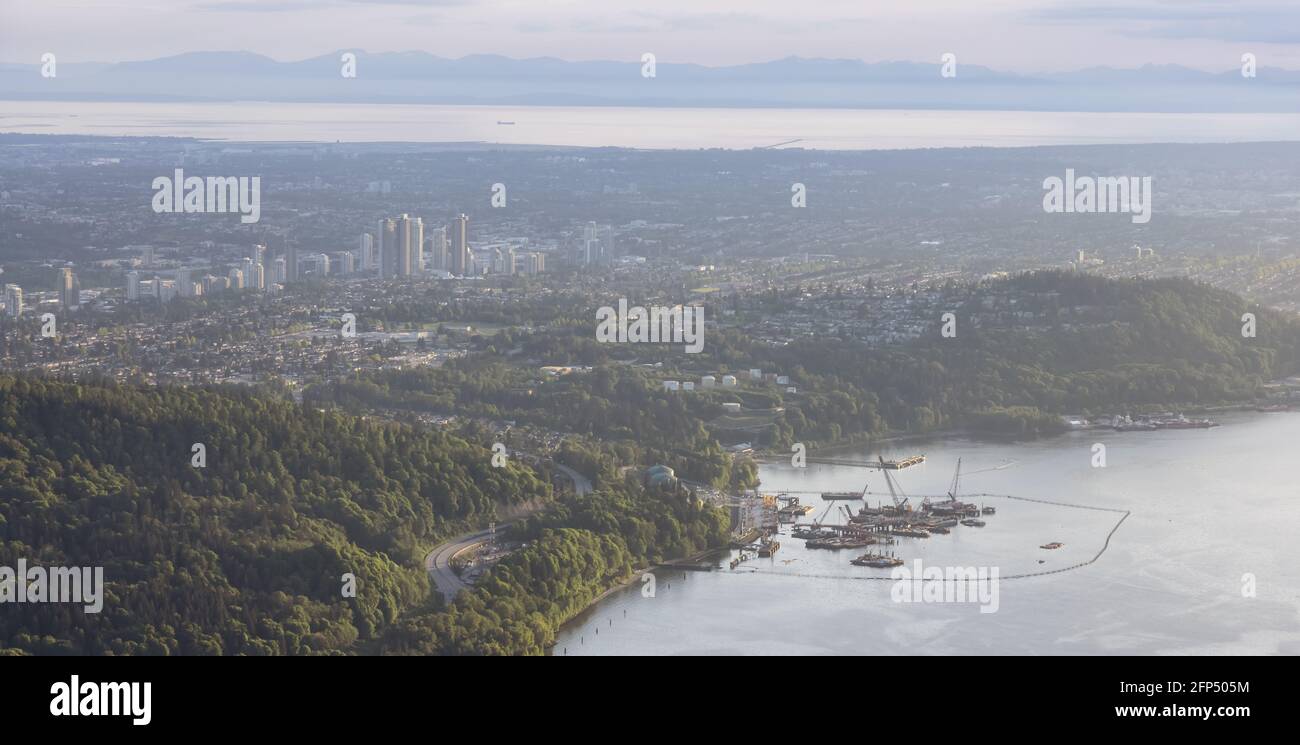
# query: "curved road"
438,561
581,484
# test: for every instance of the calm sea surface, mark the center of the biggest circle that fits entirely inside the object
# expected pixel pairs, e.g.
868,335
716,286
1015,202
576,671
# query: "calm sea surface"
681,128
1208,506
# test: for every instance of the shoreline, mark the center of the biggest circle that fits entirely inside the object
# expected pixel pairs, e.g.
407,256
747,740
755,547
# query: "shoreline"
946,434
632,580
855,442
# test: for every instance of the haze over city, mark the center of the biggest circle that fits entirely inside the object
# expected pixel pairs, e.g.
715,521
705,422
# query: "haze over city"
879,336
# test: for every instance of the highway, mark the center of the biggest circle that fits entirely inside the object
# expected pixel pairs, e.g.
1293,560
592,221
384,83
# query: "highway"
438,561
581,484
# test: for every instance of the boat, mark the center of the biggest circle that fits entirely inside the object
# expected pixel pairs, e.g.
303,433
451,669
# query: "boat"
973,523
1128,424
847,496
939,529
768,547
792,512
837,543
910,531
1182,422
989,510
505,124
812,533
895,465
1052,546
877,561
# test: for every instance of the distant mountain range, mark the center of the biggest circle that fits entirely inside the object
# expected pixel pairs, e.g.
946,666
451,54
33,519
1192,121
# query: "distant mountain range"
419,77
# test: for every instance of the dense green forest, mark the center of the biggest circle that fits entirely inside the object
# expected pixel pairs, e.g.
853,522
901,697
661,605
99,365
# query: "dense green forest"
618,406
1132,344
247,554
575,552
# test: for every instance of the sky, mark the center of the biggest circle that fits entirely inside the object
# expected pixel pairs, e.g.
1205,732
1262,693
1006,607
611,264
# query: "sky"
1024,36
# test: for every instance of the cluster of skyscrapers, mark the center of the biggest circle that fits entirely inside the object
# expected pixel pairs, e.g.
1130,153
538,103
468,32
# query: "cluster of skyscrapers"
68,287
400,248
249,274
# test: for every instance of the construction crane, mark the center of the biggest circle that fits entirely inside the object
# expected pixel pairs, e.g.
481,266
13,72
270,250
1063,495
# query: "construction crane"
900,505
956,480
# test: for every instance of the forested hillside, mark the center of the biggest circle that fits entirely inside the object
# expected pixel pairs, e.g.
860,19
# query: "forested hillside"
244,556
1096,345
575,552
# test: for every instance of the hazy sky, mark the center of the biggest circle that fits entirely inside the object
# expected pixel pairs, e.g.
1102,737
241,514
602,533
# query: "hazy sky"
1014,35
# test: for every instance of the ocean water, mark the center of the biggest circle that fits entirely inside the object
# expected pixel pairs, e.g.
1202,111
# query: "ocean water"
1208,508
635,127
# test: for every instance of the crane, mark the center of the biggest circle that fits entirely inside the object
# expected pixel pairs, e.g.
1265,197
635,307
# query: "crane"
900,505
956,479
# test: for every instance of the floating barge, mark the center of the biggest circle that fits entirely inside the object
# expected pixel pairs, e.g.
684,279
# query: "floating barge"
877,561
908,462
792,511
910,532
840,542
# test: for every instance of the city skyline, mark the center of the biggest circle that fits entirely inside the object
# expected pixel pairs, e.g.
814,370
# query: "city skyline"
743,339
